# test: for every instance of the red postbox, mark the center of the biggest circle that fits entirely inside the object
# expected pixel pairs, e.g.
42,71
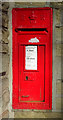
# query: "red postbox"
32,58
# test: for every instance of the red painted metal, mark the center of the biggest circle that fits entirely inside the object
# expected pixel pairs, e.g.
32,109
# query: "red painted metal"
36,92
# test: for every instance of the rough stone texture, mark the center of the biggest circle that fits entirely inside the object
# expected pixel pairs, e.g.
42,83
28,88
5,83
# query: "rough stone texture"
58,16
58,49
5,62
5,32
58,54
53,115
62,34
59,103
59,86
58,67
3,48
5,20
5,114
30,4
58,34
56,5
5,84
5,35
29,115
0,94
5,98
5,6
37,115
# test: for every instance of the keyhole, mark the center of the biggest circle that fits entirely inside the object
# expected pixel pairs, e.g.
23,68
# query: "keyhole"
26,77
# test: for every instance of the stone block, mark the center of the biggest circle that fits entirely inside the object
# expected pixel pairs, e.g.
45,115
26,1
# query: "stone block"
5,114
5,63
37,114
4,48
59,88
57,68
28,114
52,115
62,34
5,6
0,93
58,16
59,50
5,84
30,4
0,20
5,34
58,34
59,103
56,5
62,16
5,98
4,20
4,76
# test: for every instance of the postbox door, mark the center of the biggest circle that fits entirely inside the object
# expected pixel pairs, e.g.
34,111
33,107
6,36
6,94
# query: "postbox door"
31,73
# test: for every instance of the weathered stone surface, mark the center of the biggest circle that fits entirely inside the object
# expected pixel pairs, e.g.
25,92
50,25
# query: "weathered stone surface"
59,50
3,76
59,103
5,35
58,34
5,114
59,86
57,4
5,98
5,84
58,17
0,93
57,68
37,115
5,6
62,17
30,4
4,59
5,63
52,115
0,21
62,34
29,115
4,40
5,32
4,20
4,48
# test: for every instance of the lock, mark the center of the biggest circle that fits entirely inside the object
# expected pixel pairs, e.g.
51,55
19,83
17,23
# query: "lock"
26,77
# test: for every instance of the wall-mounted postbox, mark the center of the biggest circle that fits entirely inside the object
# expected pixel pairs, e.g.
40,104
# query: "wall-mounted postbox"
32,58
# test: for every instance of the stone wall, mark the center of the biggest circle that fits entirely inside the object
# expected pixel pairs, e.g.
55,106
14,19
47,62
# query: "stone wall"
6,55
5,61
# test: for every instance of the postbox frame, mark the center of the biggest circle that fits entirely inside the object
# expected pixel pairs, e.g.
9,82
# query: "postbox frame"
15,50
